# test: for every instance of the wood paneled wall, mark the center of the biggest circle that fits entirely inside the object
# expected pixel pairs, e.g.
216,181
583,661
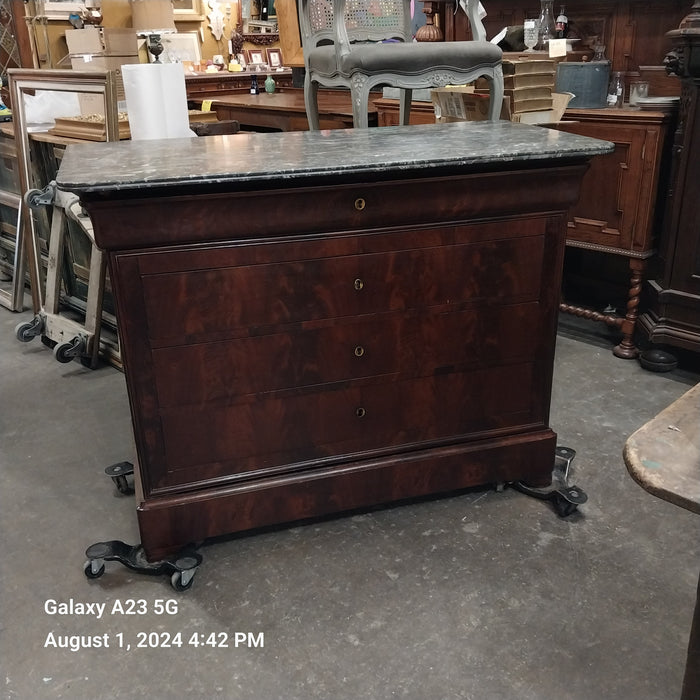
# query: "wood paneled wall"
633,31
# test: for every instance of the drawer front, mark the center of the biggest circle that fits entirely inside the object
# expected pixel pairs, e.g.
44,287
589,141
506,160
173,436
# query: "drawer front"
262,435
395,344
213,303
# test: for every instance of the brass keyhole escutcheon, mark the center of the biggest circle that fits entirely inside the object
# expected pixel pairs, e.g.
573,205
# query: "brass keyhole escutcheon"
360,204
359,284
360,412
359,351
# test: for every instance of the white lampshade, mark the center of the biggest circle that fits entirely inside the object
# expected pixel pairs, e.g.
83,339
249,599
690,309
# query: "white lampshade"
152,16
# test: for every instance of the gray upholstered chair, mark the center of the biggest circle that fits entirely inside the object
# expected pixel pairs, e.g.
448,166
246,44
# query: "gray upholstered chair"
362,44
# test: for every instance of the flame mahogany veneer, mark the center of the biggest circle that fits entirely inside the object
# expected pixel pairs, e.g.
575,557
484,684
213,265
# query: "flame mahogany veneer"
309,343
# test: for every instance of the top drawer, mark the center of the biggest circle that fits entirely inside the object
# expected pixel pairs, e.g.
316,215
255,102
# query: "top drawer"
236,299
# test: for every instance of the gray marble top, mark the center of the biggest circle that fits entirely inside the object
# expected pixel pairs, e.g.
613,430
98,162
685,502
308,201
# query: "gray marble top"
246,158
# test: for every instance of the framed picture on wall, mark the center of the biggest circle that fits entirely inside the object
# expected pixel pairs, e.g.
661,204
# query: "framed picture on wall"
274,58
187,10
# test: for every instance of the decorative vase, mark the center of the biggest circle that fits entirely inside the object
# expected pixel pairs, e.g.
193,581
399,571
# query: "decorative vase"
269,84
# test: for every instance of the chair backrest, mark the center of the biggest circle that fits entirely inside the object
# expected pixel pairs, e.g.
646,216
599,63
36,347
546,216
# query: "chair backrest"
362,20
343,22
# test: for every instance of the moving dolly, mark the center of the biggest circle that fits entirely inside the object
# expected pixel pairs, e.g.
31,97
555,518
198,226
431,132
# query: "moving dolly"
181,567
69,338
565,498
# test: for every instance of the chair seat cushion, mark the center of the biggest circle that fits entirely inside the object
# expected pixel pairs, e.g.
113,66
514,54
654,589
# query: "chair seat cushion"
405,59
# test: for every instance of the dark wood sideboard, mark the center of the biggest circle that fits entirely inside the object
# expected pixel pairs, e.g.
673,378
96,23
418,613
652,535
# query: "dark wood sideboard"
206,86
301,335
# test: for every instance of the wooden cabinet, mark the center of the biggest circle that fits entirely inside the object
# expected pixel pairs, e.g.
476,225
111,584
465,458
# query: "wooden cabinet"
622,199
674,313
349,346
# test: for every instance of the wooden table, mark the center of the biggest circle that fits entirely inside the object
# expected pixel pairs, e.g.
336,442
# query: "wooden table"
284,110
663,457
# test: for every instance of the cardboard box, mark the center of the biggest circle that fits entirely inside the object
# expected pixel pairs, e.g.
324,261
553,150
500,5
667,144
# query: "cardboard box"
101,62
120,42
560,101
84,41
461,103
110,41
93,104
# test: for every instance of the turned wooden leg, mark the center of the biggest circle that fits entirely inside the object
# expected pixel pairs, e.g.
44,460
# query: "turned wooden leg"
627,349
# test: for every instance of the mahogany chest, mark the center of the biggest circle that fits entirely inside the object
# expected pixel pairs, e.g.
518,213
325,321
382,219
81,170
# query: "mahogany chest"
319,322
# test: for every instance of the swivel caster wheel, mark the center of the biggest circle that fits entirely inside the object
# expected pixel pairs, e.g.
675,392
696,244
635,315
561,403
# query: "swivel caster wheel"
37,198
27,330
183,580
93,568
65,352
118,473
566,505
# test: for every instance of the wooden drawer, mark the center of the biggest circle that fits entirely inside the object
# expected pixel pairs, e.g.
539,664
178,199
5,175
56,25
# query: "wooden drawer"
417,345
237,299
262,437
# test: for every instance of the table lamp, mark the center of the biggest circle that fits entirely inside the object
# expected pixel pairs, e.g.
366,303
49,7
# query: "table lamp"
152,19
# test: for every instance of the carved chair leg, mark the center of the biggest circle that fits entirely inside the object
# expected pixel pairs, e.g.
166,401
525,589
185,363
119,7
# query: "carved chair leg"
359,91
496,93
405,106
627,349
311,103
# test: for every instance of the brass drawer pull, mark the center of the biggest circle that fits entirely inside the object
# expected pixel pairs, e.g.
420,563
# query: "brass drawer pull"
360,204
360,412
359,351
359,284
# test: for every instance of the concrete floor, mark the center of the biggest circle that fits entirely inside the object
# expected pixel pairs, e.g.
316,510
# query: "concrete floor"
482,595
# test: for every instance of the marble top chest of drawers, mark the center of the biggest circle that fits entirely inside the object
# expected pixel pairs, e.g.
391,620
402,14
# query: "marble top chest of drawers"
313,323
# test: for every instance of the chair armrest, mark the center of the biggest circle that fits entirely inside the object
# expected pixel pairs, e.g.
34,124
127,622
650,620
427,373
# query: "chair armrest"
477,26
342,41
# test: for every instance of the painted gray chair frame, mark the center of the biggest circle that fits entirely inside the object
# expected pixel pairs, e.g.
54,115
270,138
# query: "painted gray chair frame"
341,43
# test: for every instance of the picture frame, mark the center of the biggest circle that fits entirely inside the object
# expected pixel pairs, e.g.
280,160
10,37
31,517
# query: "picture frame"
255,57
187,10
24,82
274,58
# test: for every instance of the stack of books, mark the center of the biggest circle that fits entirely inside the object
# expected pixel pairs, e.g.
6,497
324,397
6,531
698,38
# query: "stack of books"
528,84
